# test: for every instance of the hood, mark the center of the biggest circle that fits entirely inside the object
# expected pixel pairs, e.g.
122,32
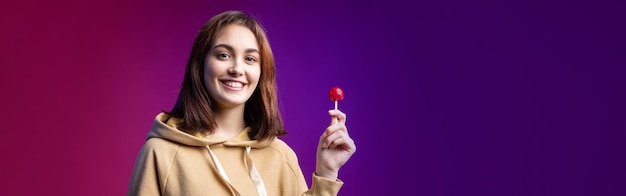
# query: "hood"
165,127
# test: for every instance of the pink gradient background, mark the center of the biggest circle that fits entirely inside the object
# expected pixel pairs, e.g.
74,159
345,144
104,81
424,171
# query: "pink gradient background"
443,98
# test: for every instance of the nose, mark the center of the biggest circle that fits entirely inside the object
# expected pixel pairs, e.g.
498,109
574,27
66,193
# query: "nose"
236,70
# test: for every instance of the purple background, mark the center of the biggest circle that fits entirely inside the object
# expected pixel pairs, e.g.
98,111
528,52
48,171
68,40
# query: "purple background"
443,98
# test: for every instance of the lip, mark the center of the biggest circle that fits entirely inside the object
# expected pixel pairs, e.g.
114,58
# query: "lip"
223,81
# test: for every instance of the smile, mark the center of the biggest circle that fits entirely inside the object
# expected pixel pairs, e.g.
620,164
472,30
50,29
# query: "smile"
235,85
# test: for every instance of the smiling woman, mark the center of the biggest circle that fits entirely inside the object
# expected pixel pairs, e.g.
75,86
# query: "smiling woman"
232,69
221,136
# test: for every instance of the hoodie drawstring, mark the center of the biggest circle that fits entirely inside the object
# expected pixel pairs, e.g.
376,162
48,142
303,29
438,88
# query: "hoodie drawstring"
254,173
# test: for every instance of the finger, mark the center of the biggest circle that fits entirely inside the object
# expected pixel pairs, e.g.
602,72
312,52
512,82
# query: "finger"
332,139
333,120
334,132
334,128
339,142
343,142
337,114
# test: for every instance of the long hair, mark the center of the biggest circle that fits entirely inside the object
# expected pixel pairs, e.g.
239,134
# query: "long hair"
195,106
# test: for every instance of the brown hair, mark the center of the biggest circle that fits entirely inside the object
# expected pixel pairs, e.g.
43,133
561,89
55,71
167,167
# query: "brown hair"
195,106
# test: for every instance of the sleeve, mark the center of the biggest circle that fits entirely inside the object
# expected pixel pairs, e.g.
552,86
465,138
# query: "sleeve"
145,179
321,186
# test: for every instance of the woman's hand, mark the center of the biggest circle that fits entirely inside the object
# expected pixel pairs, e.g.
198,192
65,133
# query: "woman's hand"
335,147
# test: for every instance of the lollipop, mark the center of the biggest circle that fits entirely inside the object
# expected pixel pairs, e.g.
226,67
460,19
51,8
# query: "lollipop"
336,95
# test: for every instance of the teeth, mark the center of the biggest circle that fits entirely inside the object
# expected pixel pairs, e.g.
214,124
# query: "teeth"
233,84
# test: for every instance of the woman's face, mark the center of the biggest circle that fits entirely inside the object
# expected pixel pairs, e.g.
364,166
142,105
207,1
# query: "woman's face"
232,67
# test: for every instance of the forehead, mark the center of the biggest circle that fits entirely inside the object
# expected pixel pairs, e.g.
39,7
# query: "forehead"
236,36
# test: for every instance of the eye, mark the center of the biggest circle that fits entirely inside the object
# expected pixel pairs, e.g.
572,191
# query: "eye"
223,55
251,59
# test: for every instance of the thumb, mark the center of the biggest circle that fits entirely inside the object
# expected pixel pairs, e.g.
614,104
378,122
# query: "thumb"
333,119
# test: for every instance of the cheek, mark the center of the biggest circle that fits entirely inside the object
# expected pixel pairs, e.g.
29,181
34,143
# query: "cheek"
255,73
206,75
210,70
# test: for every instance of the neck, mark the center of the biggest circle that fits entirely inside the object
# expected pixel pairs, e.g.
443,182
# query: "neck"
230,121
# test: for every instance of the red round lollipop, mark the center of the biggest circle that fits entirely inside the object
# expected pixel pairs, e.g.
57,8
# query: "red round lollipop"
335,94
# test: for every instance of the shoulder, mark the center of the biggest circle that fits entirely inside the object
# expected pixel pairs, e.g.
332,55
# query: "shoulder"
280,146
287,154
159,143
284,150
159,147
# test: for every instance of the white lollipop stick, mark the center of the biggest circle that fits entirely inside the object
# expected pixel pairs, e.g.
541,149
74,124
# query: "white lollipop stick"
335,120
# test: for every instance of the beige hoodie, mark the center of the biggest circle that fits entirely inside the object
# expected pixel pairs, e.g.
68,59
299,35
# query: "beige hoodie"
172,162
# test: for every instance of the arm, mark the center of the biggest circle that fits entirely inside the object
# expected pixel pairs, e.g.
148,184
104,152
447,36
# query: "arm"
144,180
334,149
319,186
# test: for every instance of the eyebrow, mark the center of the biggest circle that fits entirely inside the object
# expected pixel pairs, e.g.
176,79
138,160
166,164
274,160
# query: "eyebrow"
228,47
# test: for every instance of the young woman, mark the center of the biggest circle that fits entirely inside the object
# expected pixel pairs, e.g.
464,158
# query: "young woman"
221,136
